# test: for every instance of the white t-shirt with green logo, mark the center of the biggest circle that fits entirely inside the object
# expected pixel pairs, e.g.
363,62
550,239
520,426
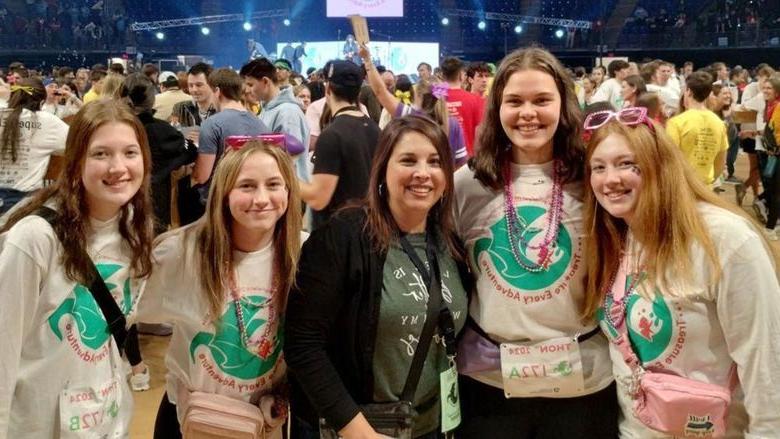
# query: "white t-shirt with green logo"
60,371
513,304
701,335
202,357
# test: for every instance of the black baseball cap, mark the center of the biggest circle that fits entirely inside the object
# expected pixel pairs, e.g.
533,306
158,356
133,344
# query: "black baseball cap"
344,73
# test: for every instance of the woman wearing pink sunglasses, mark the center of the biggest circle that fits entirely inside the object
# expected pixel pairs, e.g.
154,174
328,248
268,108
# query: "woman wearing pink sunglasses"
683,285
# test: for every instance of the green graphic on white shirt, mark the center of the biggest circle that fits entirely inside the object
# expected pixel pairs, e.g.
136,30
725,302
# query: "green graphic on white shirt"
534,221
84,311
227,347
650,326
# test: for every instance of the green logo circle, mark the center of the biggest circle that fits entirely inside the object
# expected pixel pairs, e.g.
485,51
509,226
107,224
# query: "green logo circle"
650,326
534,221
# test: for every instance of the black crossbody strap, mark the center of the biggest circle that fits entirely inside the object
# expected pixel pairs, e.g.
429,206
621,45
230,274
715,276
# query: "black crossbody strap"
433,282
117,323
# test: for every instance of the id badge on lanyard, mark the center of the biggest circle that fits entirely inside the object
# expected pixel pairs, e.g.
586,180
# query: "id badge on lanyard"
552,368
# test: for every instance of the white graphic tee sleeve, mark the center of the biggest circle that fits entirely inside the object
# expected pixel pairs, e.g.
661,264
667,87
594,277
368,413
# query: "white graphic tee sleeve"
22,276
155,305
748,305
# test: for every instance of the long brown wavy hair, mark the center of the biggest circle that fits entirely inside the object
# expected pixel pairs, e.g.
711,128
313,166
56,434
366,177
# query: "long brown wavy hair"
214,230
29,97
495,151
666,221
70,199
381,226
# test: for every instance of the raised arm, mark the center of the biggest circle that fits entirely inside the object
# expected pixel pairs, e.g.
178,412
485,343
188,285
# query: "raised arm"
383,95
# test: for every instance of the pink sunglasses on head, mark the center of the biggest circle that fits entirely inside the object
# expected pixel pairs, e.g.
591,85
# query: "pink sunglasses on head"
631,116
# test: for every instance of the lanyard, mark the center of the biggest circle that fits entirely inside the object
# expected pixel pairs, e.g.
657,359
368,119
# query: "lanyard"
432,279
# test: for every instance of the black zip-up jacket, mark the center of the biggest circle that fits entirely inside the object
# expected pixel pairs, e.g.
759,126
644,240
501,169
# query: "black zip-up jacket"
331,320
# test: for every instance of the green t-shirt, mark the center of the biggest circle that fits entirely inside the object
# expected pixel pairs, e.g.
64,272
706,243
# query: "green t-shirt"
401,319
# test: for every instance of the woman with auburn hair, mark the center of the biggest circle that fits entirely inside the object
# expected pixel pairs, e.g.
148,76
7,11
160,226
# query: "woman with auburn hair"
682,282
28,137
367,282
223,283
56,344
519,213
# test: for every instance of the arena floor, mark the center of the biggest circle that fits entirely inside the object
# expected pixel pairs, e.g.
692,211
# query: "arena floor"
153,347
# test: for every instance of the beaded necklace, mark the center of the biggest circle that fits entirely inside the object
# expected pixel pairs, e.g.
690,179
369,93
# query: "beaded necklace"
516,228
265,342
616,314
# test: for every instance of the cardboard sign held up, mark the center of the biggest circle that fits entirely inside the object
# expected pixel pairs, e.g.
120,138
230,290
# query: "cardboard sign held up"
359,28
746,116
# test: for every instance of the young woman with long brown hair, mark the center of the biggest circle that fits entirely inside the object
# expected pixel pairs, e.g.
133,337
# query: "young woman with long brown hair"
28,137
519,214
223,282
684,275
358,309
62,370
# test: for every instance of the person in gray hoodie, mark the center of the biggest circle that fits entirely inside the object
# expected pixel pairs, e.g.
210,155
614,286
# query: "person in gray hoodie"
281,111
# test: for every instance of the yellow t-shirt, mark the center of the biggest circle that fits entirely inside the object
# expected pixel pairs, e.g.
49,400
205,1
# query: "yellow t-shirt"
702,136
91,96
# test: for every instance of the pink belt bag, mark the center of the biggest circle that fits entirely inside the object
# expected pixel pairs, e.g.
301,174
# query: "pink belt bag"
665,402
212,416
676,405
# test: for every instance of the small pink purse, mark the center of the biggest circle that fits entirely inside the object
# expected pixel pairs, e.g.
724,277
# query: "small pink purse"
665,402
212,416
676,405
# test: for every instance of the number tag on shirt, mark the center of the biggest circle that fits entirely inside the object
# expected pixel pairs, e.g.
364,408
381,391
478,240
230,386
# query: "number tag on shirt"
552,368
450,399
87,412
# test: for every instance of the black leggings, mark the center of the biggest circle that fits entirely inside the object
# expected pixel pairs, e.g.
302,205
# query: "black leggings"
487,413
771,194
166,426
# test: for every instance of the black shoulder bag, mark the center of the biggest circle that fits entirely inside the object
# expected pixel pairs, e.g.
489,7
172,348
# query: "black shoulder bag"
111,312
395,419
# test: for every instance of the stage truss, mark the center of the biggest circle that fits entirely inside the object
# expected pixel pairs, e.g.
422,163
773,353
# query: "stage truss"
515,18
199,21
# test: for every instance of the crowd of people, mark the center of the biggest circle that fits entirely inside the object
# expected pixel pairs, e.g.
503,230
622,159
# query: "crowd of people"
81,25
517,251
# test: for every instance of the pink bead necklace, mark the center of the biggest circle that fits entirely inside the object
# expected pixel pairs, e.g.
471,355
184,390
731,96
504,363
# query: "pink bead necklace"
265,343
516,228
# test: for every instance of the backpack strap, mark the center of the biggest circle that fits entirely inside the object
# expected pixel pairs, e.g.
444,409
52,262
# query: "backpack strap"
117,323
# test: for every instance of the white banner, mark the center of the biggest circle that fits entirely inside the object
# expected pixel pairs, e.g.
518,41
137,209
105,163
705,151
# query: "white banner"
366,8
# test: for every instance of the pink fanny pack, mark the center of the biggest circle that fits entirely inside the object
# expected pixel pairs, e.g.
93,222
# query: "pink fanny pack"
212,416
676,405
665,402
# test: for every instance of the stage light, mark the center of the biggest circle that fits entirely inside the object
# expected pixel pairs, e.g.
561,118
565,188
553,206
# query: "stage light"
286,21
160,35
559,33
247,26
205,31
445,21
518,29
482,25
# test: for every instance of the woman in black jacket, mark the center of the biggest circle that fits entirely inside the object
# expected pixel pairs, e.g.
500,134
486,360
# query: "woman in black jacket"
167,144
358,310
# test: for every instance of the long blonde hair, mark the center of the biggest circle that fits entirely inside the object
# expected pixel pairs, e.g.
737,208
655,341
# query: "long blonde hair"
666,221
215,248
